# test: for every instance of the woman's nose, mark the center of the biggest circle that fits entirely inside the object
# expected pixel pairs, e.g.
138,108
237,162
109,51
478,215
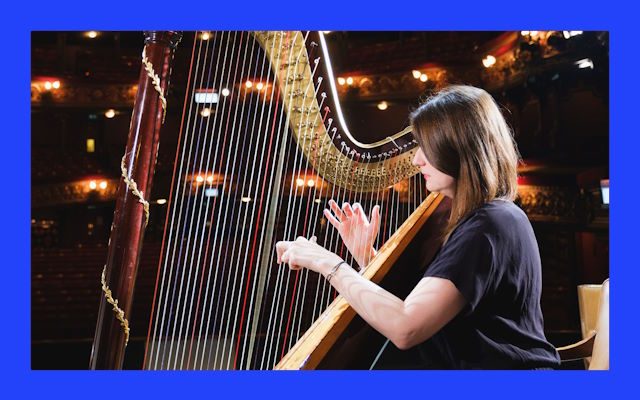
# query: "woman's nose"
417,159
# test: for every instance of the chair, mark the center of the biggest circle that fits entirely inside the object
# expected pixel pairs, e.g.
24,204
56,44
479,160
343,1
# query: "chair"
593,301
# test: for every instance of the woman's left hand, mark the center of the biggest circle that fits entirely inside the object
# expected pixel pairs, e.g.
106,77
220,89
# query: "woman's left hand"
303,253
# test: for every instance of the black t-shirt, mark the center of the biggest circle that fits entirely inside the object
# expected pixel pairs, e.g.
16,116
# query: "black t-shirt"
492,258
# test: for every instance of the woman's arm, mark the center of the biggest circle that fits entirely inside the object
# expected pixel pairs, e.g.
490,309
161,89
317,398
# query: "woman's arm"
428,308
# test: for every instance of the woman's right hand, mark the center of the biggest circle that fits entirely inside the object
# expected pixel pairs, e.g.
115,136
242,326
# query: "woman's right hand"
357,232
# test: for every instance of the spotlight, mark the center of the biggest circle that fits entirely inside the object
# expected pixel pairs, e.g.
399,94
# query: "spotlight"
103,185
56,84
110,113
225,92
199,179
416,73
93,185
383,105
341,81
47,85
161,201
92,34
205,112
488,61
424,78
349,81
311,183
249,84
259,86
205,36
584,63
299,182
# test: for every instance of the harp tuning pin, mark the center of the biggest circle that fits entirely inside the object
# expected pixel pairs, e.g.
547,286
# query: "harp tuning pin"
330,121
339,137
319,80
323,94
314,44
368,156
405,145
316,61
342,144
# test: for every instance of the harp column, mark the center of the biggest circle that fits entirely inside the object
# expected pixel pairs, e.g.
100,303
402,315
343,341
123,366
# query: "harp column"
129,220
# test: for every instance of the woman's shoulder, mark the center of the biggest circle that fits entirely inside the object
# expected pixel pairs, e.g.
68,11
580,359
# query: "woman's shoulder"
495,216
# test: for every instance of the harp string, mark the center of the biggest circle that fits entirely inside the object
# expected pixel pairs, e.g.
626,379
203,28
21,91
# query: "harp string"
282,126
156,342
232,150
251,265
272,197
149,351
189,175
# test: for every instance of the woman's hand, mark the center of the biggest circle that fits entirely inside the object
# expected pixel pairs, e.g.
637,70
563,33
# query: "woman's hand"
303,253
357,232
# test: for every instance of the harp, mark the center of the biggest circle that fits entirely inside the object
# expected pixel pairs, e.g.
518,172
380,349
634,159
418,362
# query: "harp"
263,145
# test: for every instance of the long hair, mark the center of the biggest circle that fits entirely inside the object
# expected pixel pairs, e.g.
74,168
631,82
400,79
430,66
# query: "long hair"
464,135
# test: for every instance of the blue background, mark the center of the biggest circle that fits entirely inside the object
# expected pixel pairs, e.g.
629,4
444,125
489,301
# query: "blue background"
24,17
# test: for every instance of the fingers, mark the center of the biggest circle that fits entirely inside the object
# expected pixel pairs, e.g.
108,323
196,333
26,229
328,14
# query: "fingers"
281,248
375,218
336,210
348,211
332,219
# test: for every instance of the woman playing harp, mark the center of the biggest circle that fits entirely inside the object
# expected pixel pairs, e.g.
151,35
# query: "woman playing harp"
478,304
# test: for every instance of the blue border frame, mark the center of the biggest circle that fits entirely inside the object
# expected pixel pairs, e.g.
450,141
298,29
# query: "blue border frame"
329,14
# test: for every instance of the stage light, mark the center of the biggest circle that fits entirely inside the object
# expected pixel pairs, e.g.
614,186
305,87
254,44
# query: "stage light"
604,190
205,36
349,81
383,105
199,179
205,96
210,178
161,201
56,84
110,113
488,61
92,34
584,63
259,86
205,112
424,78
249,84
299,182
93,185
311,183
103,185
47,85
416,73
341,81
225,92
570,34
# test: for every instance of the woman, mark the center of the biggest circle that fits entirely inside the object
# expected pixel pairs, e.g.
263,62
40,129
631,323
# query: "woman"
478,304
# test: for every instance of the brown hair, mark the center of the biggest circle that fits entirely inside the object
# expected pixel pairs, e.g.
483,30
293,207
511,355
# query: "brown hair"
464,135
